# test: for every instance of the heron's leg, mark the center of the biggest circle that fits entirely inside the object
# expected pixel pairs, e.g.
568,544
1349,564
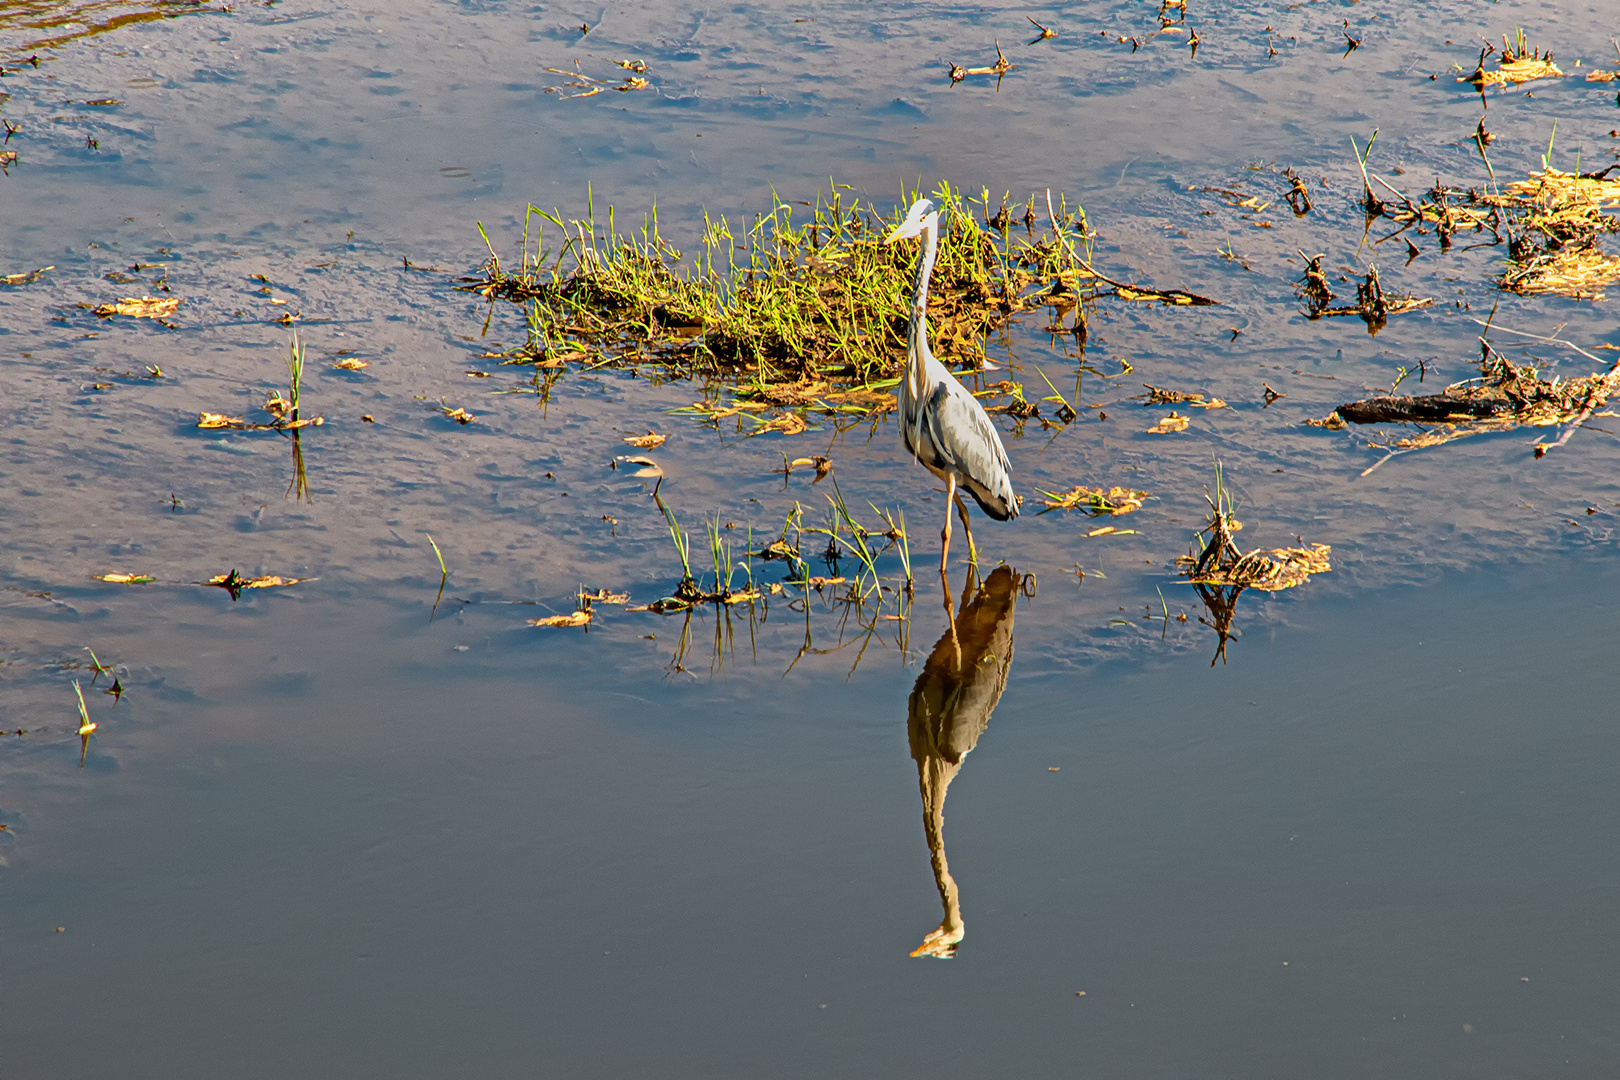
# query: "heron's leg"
945,534
973,550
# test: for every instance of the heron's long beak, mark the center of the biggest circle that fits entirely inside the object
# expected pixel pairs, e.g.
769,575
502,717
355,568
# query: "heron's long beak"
913,224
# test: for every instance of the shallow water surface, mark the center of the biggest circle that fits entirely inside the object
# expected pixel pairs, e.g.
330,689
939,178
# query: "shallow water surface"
363,825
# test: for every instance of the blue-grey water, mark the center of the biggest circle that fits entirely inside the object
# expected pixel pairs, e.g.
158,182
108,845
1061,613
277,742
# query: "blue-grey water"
321,835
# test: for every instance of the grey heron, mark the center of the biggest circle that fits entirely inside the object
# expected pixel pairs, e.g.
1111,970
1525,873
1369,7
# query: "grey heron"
942,424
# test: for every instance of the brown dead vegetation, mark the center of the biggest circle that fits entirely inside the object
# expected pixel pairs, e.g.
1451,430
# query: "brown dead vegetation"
1504,396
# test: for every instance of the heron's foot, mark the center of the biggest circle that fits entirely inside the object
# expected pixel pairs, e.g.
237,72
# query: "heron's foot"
941,942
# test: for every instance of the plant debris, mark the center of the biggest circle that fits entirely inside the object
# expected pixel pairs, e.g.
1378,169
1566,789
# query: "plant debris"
1373,304
1558,217
1172,423
649,467
140,307
1220,564
820,462
117,578
1158,395
1518,63
1096,501
25,278
589,86
350,363
220,421
1504,396
582,617
268,581
649,441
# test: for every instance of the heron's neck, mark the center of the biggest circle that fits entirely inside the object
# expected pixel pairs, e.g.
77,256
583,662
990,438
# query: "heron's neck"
917,347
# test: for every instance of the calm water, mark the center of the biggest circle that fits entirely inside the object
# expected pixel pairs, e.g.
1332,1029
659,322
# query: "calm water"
322,835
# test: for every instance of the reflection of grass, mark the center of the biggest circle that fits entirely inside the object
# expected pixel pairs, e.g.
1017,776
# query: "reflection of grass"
822,297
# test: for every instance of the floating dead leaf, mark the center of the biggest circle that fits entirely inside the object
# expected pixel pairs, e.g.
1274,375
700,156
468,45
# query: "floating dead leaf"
637,66
779,549
820,462
1096,501
350,363
1174,422
276,405
1177,297
140,307
649,467
602,596
117,578
25,279
219,420
578,618
786,424
1108,530
1158,395
268,581
106,102
822,582
1269,571
650,441
460,416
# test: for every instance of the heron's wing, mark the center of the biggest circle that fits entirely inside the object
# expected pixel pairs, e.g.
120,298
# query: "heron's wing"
970,445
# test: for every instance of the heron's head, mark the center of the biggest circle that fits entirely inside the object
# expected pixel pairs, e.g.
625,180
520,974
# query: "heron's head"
922,212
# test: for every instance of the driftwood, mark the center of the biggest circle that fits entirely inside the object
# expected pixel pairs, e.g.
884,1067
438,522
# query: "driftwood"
1430,408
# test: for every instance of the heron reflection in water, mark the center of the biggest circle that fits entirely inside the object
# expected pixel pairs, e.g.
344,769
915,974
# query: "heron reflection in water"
950,707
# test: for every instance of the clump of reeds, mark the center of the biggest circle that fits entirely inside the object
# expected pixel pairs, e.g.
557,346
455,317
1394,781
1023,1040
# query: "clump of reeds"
1558,217
789,298
1517,63
1221,564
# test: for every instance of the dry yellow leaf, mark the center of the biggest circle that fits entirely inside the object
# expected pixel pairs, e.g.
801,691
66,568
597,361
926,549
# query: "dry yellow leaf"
117,578
219,420
789,424
650,441
602,596
349,363
1096,501
140,307
26,278
578,618
1174,422
268,581
649,467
